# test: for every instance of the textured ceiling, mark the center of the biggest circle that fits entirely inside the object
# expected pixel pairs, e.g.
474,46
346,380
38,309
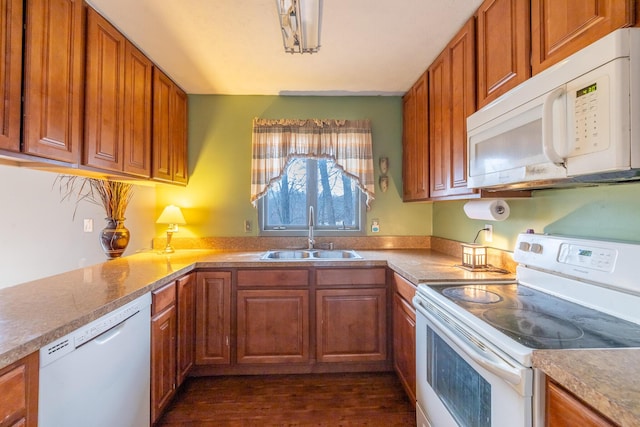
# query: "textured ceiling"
369,47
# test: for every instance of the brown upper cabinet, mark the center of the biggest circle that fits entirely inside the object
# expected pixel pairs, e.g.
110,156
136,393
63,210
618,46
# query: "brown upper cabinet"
415,144
562,27
452,98
54,79
10,73
503,47
118,101
169,147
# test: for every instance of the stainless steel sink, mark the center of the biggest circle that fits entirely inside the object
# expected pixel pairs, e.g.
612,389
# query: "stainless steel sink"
311,254
336,254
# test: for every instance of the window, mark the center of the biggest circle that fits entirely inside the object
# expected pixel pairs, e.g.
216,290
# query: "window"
336,199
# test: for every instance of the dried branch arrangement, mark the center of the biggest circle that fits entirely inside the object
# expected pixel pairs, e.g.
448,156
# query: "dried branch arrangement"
113,196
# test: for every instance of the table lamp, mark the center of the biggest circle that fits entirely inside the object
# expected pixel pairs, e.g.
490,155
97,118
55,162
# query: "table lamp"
171,215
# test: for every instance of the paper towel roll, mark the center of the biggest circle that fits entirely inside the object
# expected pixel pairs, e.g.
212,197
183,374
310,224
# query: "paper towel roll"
491,210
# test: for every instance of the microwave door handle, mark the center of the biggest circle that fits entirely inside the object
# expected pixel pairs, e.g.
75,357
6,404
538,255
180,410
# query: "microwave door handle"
508,373
547,127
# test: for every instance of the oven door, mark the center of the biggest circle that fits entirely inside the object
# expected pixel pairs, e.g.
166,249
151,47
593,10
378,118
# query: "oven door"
462,381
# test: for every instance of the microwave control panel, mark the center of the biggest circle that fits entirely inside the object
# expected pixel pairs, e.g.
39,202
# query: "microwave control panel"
590,116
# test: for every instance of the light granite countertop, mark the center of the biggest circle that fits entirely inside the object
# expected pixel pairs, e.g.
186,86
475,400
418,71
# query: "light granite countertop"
605,379
36,313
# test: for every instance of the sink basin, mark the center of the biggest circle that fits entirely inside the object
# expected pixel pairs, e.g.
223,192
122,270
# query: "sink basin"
300,254
311,254
335,254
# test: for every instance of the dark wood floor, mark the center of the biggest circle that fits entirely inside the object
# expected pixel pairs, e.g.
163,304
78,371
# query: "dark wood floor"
371,399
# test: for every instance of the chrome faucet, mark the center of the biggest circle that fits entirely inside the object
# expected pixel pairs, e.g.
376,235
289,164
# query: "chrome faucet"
311,240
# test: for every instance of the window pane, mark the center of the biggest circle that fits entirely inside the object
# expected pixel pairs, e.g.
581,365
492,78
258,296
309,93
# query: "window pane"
320,183
287,199
336,204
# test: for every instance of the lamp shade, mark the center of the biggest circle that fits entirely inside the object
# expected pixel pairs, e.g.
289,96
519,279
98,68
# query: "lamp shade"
171,215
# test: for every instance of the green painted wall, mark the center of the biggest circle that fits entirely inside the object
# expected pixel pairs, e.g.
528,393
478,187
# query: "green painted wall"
607,212
216,201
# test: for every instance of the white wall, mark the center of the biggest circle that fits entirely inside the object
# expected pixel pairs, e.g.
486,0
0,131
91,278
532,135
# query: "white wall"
38,236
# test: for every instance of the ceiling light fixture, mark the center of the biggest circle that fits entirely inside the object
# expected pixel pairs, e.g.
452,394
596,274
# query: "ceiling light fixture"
300,23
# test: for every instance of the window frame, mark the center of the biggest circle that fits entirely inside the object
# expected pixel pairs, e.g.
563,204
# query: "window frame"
299,231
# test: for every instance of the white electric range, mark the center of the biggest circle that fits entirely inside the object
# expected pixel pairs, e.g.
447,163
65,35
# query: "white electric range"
474,340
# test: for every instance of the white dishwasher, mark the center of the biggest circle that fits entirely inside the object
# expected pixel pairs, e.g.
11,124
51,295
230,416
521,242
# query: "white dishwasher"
98,375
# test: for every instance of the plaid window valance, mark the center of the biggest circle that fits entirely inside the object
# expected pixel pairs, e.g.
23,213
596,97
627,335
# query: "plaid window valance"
277,142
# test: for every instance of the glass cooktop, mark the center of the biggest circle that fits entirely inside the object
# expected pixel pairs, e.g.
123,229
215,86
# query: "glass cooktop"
541,321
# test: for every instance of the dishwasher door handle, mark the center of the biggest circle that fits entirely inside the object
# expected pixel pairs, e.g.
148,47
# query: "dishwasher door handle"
108,335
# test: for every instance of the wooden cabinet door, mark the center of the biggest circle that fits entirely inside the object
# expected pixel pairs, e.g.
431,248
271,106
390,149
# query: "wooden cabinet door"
351,325
562,27
10,73
138,72
163,360
54,79
439,123
118,101
105,91
452,98
273,326
186,299
404,344
179,136
169,143
503,47
462,57
563,409
408,143
19,391
415,149
213,317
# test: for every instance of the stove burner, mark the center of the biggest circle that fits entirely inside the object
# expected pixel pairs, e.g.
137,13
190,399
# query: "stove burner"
531,323
471,294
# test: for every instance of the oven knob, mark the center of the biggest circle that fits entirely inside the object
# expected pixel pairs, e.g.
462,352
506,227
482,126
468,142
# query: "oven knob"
524,246
536,248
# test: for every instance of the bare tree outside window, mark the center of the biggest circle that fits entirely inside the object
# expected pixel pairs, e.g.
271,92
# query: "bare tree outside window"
312,182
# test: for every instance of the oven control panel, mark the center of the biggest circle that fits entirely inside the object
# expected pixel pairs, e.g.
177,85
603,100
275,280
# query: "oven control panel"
587,256
613,264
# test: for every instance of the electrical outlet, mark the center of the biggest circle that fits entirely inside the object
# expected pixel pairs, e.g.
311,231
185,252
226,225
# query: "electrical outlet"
488,233
88,225
247,226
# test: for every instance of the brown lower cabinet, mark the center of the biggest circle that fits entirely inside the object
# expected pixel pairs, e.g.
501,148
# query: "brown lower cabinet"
292,320
163,348
19,392
213,318
172,340
351,324
273,326
404,334
563,409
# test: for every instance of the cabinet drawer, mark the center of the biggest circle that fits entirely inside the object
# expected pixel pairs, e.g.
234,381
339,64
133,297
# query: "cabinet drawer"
405,288
350,276
273,277
163,298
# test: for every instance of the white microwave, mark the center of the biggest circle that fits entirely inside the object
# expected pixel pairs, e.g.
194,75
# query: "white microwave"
576,122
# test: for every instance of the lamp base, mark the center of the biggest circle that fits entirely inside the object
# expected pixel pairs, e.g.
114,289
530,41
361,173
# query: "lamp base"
168,249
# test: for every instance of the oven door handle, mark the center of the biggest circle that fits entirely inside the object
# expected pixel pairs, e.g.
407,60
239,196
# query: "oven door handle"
479,355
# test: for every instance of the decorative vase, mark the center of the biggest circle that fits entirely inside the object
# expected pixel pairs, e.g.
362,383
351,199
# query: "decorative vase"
114,238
